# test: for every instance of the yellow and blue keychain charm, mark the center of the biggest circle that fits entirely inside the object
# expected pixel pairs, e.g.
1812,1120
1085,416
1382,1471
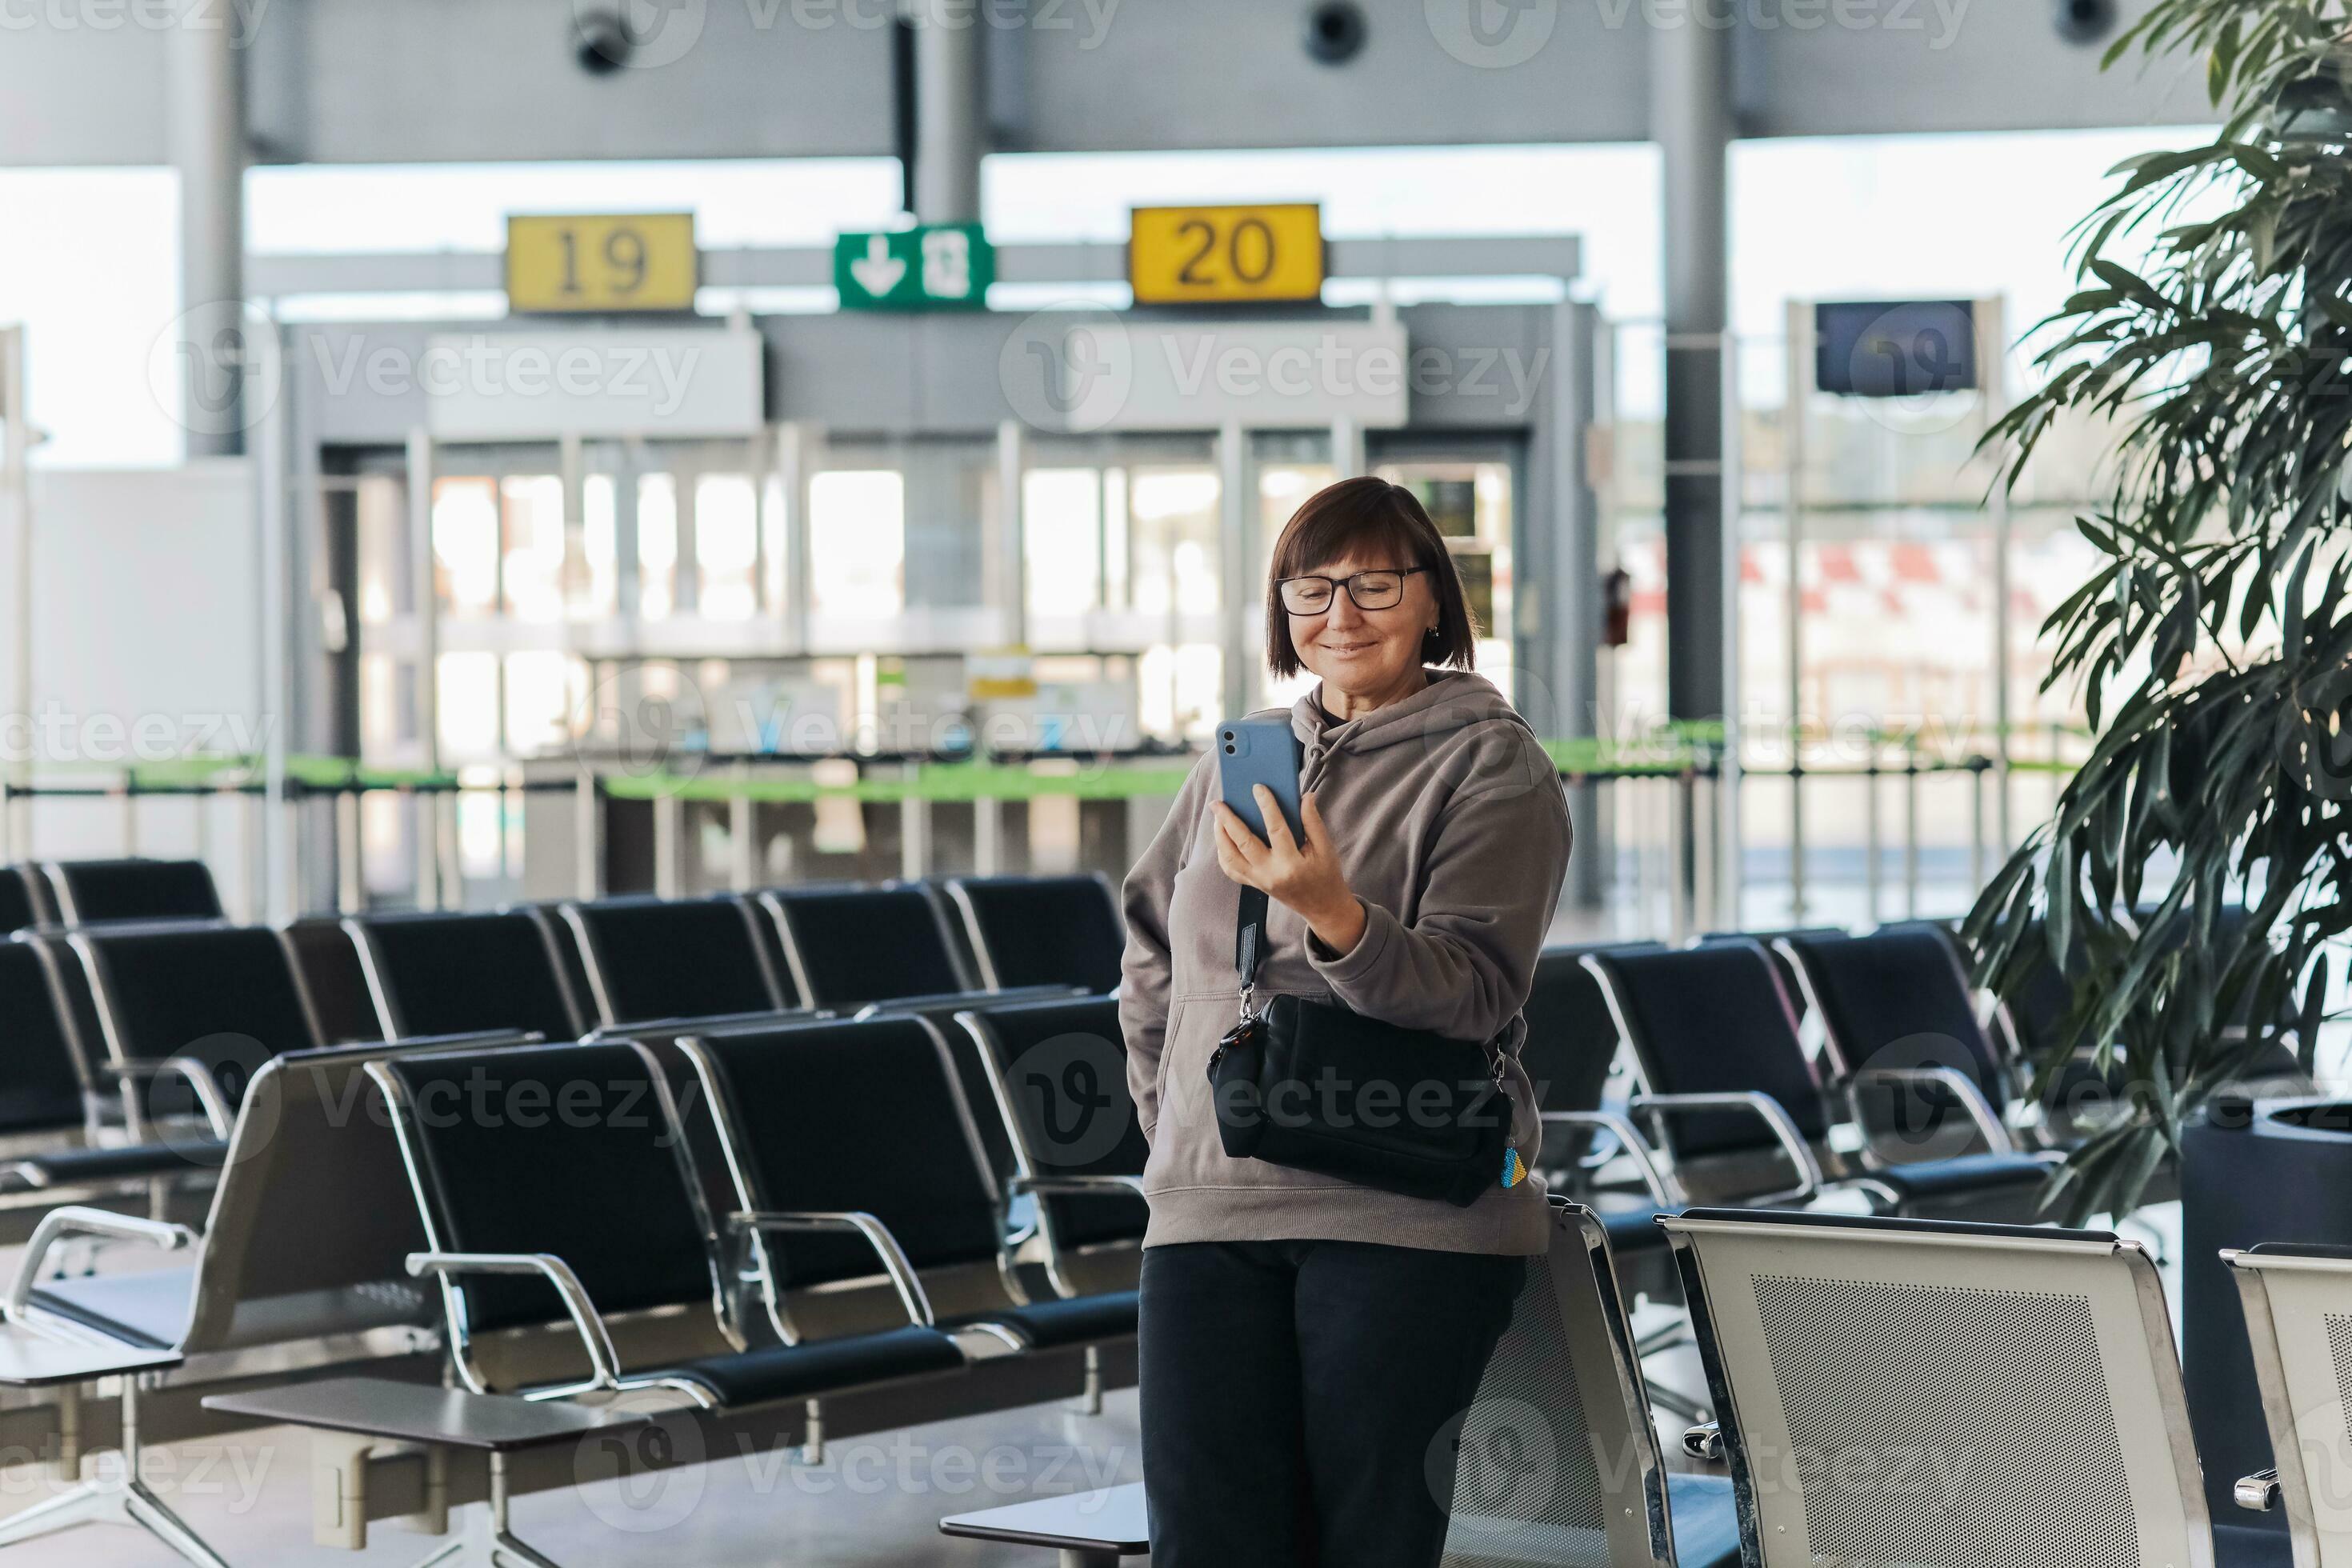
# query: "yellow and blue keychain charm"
1515,1170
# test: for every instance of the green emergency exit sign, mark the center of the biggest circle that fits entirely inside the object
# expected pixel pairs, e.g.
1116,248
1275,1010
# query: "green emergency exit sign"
942,267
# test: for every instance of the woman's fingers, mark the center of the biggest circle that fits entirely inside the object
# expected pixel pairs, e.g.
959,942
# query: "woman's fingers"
1310,817
1234,834
1277,830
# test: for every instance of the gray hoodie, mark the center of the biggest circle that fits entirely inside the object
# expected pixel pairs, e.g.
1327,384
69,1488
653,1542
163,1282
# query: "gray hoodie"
1453,830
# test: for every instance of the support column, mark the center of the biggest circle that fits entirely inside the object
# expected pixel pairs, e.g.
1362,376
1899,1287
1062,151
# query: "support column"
1691,120
204,102
950,110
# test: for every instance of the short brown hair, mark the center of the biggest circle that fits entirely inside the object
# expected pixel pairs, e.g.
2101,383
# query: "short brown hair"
1369,515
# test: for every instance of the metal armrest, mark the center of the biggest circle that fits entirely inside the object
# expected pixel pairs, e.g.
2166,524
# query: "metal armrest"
1076,1186
1629,1142
877,1235
1764,1108
215,1103
76,1220
1963,1089
2258,1493
604,1361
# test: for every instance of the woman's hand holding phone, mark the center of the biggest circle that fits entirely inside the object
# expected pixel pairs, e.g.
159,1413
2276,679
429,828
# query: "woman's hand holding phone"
1304,878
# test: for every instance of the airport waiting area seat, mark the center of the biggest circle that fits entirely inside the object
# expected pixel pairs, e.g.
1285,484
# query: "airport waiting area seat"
2297,1301
800,1119
1040,931
1726,1079
844,946
1899,1392
446,974
17,910
1052,1078
327,966
673,958
573,1252
94,892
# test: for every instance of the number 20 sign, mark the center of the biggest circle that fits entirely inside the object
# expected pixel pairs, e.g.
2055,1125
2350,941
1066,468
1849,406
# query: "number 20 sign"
600,262
1225,255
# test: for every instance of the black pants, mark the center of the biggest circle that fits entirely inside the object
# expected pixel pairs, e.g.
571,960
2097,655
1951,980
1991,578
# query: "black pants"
1298,1397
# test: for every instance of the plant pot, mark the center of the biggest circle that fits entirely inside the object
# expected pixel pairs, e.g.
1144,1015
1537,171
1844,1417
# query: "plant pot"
2251,1172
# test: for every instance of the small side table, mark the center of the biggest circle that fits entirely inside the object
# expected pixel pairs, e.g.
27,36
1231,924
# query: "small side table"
382,1411
1090,1529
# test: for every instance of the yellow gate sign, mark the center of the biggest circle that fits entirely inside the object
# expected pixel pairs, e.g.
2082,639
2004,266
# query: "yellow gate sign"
1229,255
601,261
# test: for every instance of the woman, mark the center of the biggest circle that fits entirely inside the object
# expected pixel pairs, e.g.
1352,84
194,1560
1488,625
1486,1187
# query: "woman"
1305,1341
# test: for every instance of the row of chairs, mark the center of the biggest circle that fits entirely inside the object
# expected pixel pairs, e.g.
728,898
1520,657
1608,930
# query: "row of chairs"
723,1218
1899,1392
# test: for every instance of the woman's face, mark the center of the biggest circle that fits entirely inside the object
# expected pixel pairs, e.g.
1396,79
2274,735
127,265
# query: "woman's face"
1366,653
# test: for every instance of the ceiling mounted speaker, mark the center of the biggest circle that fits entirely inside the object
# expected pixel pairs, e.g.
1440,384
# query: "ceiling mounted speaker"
602,43
2085,21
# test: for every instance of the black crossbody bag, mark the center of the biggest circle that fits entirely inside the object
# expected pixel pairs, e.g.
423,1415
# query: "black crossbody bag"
1318,1088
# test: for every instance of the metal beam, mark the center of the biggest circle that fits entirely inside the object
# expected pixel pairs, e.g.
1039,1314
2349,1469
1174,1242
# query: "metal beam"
950,110
206,91
811,267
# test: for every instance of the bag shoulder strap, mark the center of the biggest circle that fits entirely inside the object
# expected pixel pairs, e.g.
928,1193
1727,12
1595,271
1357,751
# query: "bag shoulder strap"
1249,936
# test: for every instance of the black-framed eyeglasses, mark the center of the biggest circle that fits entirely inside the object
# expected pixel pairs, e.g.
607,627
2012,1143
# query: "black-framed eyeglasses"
1311,596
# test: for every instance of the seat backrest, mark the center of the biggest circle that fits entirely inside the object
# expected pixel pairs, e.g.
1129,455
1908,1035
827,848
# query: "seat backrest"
569,1150
313,1219
1572,1039
1906,1392
1712,1020
40,1086
1558,1460
1895,998
2298,1306
1057,1079
16,910
848,945
327,966
1770,941
77,1006
677,958
852,1117
90,891
439,973
224,995
1041,930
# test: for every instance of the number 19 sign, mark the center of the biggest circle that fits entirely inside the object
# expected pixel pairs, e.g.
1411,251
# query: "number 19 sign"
600,262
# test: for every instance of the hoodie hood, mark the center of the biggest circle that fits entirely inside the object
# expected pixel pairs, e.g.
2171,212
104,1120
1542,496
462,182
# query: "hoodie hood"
1453,700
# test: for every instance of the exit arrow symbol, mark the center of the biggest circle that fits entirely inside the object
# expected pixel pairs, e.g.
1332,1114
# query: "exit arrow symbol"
877,271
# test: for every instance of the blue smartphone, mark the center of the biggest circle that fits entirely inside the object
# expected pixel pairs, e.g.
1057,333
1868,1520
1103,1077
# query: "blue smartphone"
1252,752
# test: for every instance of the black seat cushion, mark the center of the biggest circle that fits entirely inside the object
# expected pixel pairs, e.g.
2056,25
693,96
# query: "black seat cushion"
562,1149
1048,930
1078,1321
39,1089
1064,1063
1933,1179
94,890
856,1116
226,997
867,944
1571,1042
817,1366
1898,999
1768,940
70,1167
457,974
686,958
1716,1020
